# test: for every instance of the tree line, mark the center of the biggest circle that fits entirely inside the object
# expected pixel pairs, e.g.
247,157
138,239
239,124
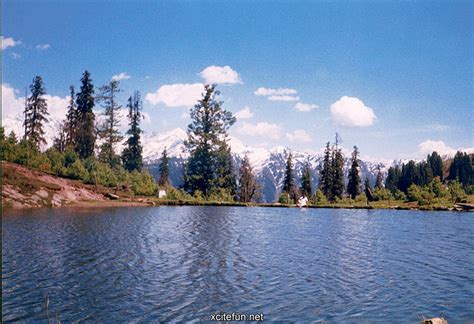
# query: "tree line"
422,181
86,149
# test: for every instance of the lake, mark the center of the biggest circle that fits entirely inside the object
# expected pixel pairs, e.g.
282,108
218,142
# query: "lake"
186,263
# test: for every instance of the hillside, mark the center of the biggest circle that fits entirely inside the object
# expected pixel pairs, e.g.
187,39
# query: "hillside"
23,187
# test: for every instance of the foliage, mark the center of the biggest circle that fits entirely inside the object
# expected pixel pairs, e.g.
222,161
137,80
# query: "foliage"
247,182
132,153
456,192
289,180
353,186
413,193
108,132
436,165
381,194
209,165
143,183
461,169
85,118
320,198
326,174
35,112
284,198
437,187
164,170
399,195
306,185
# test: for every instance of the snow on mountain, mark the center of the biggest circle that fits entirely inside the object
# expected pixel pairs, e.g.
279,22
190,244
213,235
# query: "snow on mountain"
154,144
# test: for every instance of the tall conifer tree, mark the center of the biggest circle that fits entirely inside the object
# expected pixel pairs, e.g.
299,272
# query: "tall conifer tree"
379,178
207,143
353,186
36,111
132,158
338,171
85,132
306,185
247,182
108,131
326,173
164,170
70,125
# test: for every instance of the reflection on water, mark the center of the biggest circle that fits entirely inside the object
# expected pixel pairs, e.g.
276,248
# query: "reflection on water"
184,263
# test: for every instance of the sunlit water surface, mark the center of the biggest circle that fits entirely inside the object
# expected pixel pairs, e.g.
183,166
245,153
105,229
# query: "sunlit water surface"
185,263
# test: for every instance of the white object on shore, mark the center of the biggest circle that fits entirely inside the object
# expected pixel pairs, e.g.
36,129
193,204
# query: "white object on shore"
161,193
302,202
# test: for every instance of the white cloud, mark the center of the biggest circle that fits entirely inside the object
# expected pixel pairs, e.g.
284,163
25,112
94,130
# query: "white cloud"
184,115
283,98
43,47
121,76
220,74
428,146
15,56
8,42
262,129
244,113
298,135
176,95
274,92
352,112
305,107
13,104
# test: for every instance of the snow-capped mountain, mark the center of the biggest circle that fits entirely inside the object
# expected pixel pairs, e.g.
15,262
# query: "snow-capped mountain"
268,164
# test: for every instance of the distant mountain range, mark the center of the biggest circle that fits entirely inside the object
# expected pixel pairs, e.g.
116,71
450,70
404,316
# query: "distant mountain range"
268,165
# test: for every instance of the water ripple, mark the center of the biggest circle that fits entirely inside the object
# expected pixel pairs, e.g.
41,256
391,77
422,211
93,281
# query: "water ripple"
177,264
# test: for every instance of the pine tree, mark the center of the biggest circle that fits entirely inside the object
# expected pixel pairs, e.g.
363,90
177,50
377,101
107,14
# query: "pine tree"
132,153
391,182
306,185
353,186
60,142
368,190
207,136
36,111
247,183
379,179
408,176
164,170
436,164
226,178
326,173
289,180
85,118
338,171
70,125
108,131
461,169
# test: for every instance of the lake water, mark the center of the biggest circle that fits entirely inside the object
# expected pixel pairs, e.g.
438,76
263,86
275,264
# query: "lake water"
186,263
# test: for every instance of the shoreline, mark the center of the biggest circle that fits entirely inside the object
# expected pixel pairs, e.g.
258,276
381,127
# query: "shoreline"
153,202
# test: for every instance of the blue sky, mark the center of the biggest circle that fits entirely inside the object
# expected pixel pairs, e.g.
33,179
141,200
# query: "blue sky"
394,78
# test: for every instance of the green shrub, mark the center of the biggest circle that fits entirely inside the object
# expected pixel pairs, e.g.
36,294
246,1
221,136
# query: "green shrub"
456,192
361,198
143,183
284,198
399,195
414,193
320,198
221,195
382,194
436,186
77,171
426,197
